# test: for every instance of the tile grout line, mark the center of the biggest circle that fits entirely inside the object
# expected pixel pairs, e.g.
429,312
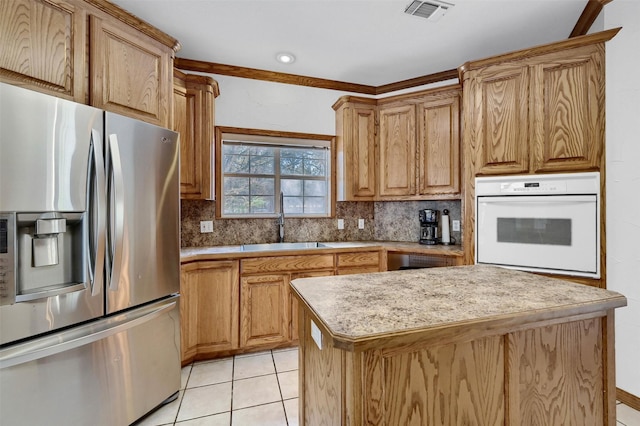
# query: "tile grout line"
275,367
184,391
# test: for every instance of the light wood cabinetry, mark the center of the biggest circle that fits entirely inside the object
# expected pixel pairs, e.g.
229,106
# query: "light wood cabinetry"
355,142
359,263
131,74
293,317
415,141
539,110
539,114
265,310
193,118
209,307
244,304
44,46
397,171
267,305
438,145
89,51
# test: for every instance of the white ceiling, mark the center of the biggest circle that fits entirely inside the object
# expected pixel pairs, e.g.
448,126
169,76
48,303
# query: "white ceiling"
370,42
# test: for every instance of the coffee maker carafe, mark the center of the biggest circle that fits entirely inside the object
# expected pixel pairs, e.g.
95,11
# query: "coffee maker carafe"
428,226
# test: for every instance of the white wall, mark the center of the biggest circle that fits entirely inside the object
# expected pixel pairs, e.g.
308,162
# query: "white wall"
255,104
623,184
258,104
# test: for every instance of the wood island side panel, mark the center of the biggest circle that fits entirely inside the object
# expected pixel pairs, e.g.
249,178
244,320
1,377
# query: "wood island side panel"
556,375
540,374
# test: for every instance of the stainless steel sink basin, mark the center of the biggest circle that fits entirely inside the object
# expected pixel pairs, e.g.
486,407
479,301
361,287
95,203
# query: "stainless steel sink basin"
281,246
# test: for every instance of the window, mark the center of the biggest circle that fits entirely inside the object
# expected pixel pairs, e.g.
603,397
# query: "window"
256,168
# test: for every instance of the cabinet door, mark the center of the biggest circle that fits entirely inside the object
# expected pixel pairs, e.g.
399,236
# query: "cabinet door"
209,307
130,73
439,147
362,163
567,103
193,119
43,46
293,319
355,137
500,119
265,310
397,172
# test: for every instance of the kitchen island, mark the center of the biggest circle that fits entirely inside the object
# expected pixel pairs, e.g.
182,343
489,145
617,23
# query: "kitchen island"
474,345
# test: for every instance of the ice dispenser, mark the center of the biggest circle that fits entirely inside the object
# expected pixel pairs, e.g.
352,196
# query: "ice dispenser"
49,247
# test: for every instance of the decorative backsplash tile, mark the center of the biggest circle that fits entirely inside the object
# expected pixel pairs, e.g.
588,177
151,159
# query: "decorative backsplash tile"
390,221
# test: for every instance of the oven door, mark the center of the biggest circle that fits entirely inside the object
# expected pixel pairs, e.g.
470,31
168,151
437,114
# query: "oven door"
557,234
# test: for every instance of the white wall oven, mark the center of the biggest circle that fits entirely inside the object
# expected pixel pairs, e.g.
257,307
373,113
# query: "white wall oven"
540,223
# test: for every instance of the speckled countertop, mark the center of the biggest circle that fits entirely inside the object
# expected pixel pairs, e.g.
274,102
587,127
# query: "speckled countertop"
188,254
357,307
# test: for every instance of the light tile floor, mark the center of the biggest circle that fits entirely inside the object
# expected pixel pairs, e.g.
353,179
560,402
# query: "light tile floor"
253,389
244,390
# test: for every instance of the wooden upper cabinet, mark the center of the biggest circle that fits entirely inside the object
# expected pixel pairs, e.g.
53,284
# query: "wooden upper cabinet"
43,46
567,103
355,143
209,307
131,74
193,118
91,52
538,110
397,168
500,119
439,146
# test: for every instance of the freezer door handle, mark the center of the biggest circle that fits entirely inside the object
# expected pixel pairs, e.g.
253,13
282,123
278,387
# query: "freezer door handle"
97,220
117,225
109,328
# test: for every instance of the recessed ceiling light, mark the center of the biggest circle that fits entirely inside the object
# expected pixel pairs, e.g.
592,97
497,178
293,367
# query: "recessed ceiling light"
285,58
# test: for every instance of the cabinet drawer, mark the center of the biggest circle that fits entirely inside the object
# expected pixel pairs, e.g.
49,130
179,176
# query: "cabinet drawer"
286,263
370,258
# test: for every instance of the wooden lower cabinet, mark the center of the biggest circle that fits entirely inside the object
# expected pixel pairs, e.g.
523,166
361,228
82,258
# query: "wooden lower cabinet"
359,263
209,308
293,318
264,301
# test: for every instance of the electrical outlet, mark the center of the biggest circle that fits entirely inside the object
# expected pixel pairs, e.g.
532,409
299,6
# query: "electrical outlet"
455,225
340,223
360,223
206,226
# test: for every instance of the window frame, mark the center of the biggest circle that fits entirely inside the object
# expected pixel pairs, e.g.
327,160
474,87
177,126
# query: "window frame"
281,139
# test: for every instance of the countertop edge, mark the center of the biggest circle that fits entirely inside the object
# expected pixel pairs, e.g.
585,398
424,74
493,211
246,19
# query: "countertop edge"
234,252
491,325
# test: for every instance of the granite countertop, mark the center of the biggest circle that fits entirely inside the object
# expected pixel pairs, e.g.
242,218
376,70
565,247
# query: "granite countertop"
365,306
188,254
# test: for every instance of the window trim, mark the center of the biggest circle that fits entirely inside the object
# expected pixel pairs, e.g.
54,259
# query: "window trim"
296,139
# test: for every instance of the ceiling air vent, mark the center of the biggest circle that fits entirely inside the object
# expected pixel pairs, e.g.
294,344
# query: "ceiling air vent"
430,10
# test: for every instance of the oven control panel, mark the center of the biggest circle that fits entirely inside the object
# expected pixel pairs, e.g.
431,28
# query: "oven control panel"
548,184
539,187
7,259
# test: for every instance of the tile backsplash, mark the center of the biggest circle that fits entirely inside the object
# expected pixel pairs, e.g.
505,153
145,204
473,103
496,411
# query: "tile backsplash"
388,221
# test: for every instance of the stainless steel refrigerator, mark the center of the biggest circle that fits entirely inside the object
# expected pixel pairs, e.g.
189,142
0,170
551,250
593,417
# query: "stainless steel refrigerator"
89,263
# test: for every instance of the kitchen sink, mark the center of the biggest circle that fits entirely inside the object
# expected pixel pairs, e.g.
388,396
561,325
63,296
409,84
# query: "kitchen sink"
281,246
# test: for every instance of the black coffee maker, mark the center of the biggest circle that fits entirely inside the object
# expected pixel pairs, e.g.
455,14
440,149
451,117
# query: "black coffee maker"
429,226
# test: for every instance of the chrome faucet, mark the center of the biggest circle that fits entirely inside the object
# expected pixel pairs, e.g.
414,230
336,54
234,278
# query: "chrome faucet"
281,218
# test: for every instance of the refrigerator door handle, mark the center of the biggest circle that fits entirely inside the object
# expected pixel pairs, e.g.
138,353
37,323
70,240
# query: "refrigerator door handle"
97,203
117,212
26,355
